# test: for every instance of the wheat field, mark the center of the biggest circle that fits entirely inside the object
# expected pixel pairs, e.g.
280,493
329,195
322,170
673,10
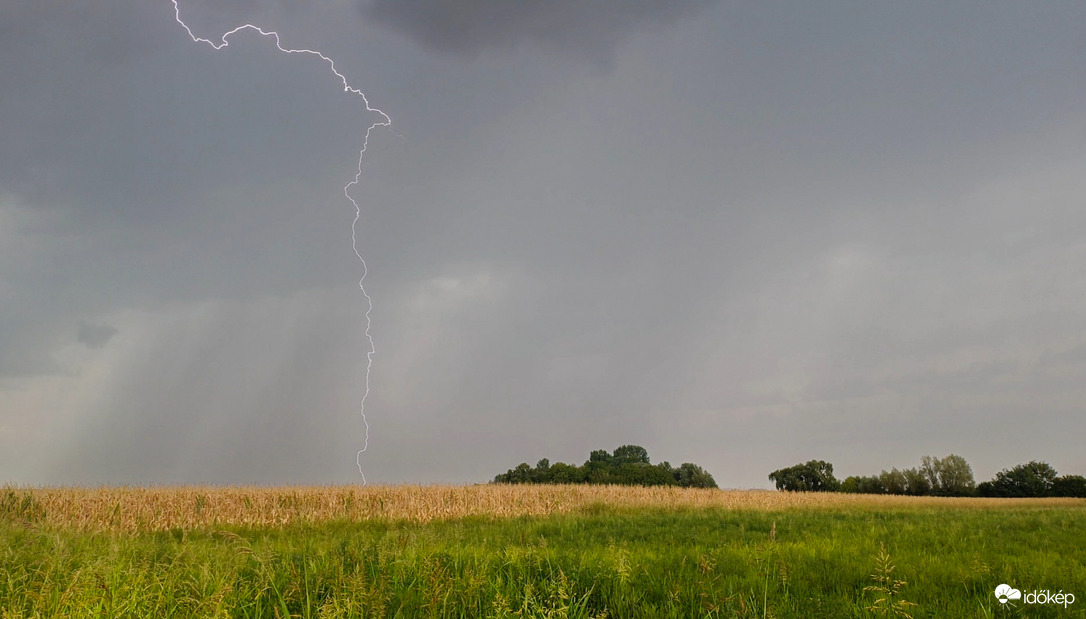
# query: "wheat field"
524,551
166,507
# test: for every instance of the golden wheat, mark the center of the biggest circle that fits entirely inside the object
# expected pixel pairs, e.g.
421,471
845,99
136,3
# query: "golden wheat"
162,508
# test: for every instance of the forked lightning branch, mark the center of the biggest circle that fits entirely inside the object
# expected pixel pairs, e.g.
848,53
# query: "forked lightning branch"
383,120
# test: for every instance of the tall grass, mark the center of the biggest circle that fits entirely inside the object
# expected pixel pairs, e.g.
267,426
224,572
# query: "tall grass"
592,552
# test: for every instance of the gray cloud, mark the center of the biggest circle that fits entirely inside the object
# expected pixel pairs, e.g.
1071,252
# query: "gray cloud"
590,29
95,336
766,235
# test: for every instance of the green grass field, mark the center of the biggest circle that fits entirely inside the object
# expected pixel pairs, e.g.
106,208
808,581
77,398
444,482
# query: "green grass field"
925,558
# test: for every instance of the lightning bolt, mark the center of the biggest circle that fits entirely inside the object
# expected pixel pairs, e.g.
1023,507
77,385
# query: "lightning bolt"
383,121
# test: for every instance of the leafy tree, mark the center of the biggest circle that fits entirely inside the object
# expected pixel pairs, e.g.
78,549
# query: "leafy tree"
599,455
541,473
562,473
597,470
894,481
693,476
628,465
789,479
1033,479
599,475
640,474
949,476
814,476
916,483
871,484
520,475
856,484
850,485
1069,486
630,454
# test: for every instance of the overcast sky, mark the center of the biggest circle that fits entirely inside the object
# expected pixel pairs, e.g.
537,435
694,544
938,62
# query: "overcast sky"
738,234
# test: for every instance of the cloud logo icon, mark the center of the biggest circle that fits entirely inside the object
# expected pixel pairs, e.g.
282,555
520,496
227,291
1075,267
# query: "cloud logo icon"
1005,592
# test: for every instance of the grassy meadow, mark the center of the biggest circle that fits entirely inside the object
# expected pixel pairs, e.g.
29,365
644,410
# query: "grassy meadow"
530,551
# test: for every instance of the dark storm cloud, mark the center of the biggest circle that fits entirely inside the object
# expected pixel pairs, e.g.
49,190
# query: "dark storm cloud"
122,157
591,29
772,233
129,176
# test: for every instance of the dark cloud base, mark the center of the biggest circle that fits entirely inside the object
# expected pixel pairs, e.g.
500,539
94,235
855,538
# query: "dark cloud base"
588,29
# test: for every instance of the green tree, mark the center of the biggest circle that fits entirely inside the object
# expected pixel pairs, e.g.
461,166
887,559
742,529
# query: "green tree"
949,476
630,454
1033,479
789,479
1069,486
562,473
628,465
856,484
894,481
813,476
693,476
598,474
599,455
916,483
541,474
520,475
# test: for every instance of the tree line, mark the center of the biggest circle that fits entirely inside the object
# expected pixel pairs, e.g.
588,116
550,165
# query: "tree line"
949,476
629,465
